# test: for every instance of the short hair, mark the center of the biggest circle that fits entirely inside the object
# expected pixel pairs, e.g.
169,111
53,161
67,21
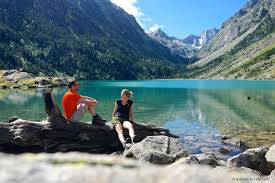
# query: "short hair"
71,83
126,92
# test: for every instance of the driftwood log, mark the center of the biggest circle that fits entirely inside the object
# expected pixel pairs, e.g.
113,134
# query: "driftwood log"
56,134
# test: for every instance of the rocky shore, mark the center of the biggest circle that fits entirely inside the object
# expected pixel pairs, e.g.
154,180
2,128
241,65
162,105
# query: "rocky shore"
23,80
142,165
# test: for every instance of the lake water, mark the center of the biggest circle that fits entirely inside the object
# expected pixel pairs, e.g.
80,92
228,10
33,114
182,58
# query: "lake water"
200,112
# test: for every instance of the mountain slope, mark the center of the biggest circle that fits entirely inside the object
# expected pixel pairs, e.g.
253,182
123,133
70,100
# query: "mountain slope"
243,48
251,58
202,40
187,47
90,39
177,46
242,22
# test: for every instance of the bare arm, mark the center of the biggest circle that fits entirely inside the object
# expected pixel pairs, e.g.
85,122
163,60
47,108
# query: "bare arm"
88,98
115,110
87,101
131,115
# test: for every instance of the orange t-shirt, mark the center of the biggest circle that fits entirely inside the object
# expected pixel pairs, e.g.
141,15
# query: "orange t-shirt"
69,103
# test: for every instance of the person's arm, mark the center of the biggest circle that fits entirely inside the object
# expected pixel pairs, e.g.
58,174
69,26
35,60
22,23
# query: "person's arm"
115,110
131,115
88,98
87,101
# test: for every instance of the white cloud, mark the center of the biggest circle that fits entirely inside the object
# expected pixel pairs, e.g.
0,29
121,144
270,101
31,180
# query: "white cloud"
130,6
155,27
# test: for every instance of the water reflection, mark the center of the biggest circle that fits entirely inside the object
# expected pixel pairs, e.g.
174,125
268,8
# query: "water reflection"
198,115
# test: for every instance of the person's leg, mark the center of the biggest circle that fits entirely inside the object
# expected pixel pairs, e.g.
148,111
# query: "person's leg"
79,113
130,127
96,118
91,109
119,131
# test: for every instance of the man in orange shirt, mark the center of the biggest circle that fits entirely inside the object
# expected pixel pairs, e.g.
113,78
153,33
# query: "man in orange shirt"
75,105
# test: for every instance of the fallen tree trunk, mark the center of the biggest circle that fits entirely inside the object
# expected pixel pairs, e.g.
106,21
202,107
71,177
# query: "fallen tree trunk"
56,134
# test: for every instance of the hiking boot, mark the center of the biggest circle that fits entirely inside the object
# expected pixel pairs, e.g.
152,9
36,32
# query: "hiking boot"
97,120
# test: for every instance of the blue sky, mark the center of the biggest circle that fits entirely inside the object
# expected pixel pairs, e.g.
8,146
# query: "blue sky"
181,18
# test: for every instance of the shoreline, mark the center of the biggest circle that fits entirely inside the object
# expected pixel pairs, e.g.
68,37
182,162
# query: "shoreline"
14,79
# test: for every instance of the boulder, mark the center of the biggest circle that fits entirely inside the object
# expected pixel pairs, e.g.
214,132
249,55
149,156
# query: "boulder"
224,150
252,158
44,82
8,72
235,142
186,160
60,81
208,159
243,174
270,155
14,75
157,150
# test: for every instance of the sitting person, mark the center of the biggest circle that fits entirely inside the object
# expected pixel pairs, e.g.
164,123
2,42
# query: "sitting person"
123,116
75,105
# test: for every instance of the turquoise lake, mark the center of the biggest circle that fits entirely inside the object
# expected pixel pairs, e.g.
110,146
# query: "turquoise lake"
200,112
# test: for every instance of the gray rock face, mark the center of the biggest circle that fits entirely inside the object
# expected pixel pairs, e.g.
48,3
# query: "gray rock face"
235,142
186,160
252,158
270,155
207,35
157,150
193,40
86,168
202,159
249,16
176,45
208,159
14,75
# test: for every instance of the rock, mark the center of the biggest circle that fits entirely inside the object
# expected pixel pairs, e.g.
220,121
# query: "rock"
8,72
12,119
14,86
243,174
44,82
157,149
235,142
270,155
225,137
252,158
14,75
224,150
60,81
244,171
186,160
3,87
271,178
84,168
208,159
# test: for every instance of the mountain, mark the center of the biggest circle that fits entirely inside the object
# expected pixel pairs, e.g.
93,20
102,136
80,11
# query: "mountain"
88,39
177,46
207,35
187,47
244,47
193,40
203,39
